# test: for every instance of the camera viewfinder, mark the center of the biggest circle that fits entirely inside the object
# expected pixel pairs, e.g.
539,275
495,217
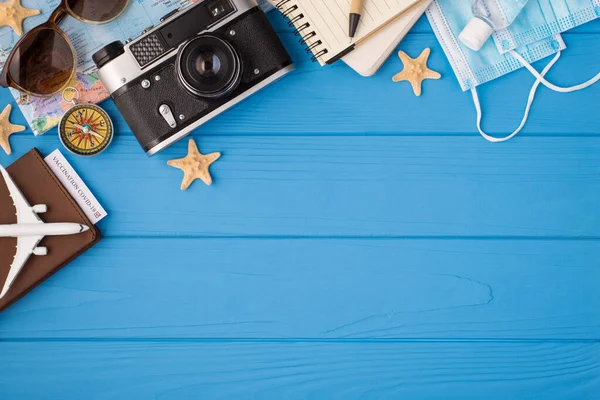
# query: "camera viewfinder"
219,8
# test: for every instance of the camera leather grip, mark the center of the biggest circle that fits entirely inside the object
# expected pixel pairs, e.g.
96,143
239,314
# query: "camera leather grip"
260,50
140,106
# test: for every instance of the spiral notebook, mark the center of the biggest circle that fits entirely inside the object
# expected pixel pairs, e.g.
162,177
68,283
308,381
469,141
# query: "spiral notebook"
322,25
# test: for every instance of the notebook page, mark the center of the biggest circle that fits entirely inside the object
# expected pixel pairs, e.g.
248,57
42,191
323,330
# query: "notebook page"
329,20
367,58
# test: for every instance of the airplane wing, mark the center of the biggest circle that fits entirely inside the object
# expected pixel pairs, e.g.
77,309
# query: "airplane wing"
25,247
25,214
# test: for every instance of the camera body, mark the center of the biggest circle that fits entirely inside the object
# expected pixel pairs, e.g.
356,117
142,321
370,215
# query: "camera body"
199,62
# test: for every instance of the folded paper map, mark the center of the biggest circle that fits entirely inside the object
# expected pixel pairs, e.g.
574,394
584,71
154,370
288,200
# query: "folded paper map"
43,114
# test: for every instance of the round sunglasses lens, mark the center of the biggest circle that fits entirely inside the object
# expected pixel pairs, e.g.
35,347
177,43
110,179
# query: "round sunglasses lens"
43,63
97,10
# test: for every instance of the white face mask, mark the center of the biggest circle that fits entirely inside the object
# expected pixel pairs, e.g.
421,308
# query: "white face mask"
543,18
473,68
449,17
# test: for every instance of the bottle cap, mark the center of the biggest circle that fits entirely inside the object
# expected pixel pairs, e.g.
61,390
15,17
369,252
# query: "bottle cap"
475,34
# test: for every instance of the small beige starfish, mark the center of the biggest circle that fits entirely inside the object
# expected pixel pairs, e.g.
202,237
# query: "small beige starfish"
7,129
415,70
12,14
195,165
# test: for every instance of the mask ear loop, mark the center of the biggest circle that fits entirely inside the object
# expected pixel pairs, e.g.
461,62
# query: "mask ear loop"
532,93
551,85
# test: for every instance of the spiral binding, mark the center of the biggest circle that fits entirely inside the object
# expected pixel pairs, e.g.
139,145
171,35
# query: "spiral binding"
301,28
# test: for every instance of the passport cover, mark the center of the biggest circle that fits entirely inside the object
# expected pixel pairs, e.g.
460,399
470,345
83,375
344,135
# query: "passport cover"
39,186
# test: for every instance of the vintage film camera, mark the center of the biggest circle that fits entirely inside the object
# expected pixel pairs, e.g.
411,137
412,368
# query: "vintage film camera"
197,63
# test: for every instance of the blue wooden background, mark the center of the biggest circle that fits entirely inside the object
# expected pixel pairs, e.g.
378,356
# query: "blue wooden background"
358,242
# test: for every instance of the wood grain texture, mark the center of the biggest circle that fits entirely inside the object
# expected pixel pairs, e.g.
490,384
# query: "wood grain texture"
351,187
334,100
358,243
319,289
170,370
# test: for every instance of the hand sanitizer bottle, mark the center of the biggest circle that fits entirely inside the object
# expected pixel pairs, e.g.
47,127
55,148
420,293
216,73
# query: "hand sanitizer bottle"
489,16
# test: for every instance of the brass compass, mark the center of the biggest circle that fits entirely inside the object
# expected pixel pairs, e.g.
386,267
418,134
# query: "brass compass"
85,129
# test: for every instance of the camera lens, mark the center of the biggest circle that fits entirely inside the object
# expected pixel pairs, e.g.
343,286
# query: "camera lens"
209,66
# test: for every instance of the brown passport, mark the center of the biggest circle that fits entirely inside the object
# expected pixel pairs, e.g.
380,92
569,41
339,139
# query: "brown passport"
39,186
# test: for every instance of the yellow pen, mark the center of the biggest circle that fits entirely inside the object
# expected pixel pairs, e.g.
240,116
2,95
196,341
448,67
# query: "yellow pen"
355,11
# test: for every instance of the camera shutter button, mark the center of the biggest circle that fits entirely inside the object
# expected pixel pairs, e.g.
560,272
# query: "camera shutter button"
167,114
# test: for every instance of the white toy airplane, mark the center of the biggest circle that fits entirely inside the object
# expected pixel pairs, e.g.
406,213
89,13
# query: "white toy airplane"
29,231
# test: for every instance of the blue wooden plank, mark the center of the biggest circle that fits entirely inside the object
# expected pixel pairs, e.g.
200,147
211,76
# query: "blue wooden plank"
318,289
367,318
335,101
166,370
350,186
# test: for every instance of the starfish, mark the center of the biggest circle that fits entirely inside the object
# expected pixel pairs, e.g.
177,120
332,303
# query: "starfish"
7,129
415,70
12,14
195,165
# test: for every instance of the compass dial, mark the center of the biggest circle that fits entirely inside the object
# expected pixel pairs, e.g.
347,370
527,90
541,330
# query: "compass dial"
86,130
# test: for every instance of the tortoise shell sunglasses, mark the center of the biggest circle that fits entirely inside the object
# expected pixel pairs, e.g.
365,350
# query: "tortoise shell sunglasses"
44,61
